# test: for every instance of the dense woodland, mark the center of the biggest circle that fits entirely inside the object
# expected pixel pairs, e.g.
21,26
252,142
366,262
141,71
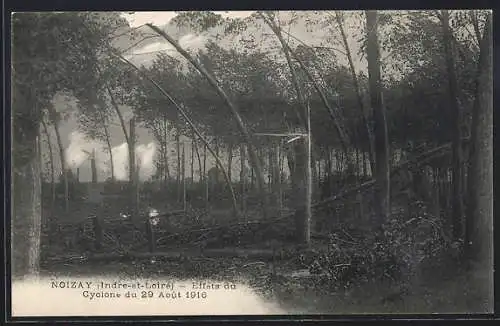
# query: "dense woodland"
385,168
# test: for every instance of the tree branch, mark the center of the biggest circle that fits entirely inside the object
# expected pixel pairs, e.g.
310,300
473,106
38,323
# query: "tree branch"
193,127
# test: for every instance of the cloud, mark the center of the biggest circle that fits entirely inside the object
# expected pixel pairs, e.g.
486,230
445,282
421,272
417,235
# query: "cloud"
154,47
139,18
191,41
146,54
120,161
76,155
145,160
234,14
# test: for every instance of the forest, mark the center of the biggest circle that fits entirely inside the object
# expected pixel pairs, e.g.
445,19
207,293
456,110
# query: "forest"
351,148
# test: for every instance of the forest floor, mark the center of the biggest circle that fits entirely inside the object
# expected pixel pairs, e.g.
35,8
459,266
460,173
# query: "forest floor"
455,293
448,289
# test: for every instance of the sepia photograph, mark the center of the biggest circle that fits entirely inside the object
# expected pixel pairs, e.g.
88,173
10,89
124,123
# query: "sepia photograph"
201,163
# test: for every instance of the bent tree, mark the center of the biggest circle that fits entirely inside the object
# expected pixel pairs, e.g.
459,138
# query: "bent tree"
234,110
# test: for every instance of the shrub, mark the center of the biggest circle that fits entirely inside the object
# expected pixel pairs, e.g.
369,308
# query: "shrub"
397,251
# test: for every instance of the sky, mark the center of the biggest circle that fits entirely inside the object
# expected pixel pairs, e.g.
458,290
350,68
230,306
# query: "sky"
144,53
163,17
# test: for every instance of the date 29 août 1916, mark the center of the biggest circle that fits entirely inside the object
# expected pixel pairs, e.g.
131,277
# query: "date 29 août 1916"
146,295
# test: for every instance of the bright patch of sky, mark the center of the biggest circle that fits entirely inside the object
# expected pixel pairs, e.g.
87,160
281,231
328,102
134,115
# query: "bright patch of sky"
139,18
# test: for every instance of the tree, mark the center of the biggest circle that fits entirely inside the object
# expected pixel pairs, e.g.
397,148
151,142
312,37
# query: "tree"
51,162
379,117
94,124
301,171
455,113
479,232
339,18
234,110
51,53
183,113
55,118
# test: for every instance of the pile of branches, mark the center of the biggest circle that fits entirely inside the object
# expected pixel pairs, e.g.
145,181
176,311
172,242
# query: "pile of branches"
235,233
396,252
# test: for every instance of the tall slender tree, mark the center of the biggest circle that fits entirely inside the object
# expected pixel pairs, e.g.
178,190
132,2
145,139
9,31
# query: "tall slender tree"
455,114
379,117
480,209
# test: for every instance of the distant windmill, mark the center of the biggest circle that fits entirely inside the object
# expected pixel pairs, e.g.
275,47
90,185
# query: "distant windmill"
94,190
93,166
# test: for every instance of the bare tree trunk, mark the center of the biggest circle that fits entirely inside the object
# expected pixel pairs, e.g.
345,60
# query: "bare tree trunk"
252,179
110,150
379,117
279,178
234,109
275,172
320,170
165,139
480,174
26,221
192,160
359,96
205,176
63,161
480,246
314,174
93,167
178,149
131,152
299,183
456,117
162,175
329,162
365,170
133,182
52,170
217,152
230,160
200,167
184,206
306,231
115,106
242,177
